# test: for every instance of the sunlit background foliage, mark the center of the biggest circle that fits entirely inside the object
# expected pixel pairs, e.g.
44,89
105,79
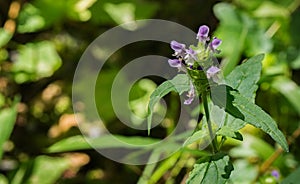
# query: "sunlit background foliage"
41,42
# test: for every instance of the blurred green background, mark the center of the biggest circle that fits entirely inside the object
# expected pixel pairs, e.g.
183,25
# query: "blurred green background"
41,42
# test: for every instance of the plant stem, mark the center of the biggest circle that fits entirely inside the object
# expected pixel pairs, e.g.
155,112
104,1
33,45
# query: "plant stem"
207,115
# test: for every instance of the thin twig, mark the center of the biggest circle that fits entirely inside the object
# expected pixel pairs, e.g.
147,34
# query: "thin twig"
267,164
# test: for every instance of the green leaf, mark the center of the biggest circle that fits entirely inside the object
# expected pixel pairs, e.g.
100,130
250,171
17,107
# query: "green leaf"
121,13
222,97
244,77
228,132
30,19
289,89
103,14
19,175
106,141
270,9
255,116
215,169
5,37
294,177
242,108
7,121
180,83
46,170
244,172
240,33
3,179
35,61
201,135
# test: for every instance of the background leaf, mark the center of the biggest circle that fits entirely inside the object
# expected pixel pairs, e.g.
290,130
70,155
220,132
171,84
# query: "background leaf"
7,121
35,61
46,170
240,33
106,141
293,178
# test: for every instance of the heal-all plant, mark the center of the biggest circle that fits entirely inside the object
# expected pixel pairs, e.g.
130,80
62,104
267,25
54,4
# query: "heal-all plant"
228,103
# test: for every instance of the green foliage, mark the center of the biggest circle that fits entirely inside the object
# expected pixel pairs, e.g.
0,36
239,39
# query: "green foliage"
255,116
5,36
35,61
7,121
43,49
240,33
46,170
214,169
106,141
292,178
179,84
120,11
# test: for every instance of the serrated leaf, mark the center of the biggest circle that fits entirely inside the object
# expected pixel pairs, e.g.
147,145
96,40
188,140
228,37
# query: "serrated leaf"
228,132
221,97
257,117
215,169
180,83
245,76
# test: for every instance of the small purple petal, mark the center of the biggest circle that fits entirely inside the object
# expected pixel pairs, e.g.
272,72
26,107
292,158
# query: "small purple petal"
174,63
190,53
190,95
212,73
188,101
275,173
215,43
177,47
203,33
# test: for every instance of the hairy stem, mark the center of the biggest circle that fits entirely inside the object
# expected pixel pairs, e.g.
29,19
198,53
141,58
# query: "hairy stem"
207,115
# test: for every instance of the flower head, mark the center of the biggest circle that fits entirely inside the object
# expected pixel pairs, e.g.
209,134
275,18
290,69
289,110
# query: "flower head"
196,61
202,35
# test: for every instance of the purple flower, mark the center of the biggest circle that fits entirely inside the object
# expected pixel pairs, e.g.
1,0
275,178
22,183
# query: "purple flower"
214,44
276,174
202,35
190,95
177,47
212,73
175,63
190,56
